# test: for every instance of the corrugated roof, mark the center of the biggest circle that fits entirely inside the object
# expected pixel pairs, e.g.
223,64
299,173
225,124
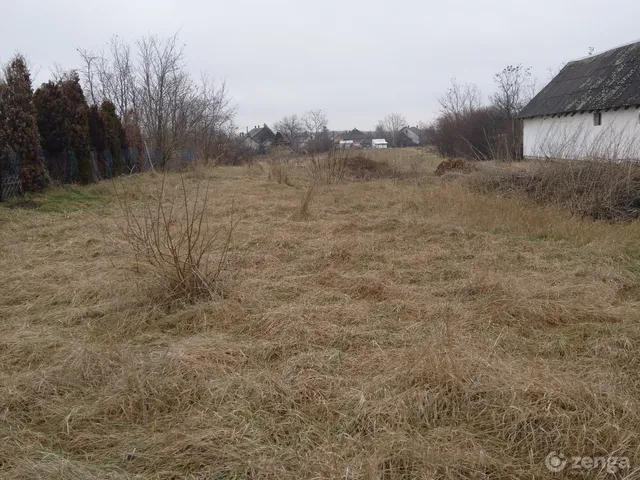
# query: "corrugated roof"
607,80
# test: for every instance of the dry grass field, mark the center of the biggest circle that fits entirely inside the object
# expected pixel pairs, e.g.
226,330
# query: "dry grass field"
403,327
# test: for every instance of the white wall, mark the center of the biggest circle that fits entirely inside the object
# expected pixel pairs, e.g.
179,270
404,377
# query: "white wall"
577,137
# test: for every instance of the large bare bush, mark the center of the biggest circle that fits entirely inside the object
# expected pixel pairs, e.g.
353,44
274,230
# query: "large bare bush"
596,189
171,233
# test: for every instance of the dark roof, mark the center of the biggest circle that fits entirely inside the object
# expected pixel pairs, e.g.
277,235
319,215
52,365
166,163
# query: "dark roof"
354,134
281,139
261,134
608,80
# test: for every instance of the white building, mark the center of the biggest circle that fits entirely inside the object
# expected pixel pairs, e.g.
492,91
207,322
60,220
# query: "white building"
589,110
378,143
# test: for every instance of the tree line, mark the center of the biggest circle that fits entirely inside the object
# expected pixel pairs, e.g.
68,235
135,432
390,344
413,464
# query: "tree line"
138,95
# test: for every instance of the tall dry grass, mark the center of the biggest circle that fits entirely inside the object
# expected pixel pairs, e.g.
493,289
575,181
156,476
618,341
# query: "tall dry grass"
405,330
603,190
329,168
279,171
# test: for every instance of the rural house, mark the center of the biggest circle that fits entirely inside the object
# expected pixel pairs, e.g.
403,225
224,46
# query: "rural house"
259,139
353,139
408,137
589,110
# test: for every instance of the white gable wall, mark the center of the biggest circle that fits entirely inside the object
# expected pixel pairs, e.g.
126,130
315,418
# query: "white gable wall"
576,137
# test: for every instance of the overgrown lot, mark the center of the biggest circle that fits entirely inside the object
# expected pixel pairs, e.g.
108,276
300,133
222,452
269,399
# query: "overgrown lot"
403,327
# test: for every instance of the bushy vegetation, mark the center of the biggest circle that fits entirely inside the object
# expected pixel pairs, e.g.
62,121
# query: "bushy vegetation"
470,129
171,234
114,103
595,189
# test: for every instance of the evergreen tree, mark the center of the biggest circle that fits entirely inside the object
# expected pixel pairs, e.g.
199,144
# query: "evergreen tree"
20,125
114,134
52,118
78,125
98,136
133,136
63,123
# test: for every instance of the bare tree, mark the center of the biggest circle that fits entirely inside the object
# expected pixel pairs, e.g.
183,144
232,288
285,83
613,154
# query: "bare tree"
216,118
460,99
88,75
117,72
292,127
315,121
149,81
515,89
393,123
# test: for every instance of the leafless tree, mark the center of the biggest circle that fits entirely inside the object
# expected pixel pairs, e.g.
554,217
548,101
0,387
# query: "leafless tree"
88,74
315,121
117,75
515,89
216,118
292,127
460,99
149,81
393,123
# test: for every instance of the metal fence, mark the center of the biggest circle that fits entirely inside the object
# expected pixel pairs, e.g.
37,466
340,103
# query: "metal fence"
9,176
63,167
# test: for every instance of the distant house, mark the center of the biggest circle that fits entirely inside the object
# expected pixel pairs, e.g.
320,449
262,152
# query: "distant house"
408,137
378,143
259,139
589,110
352,139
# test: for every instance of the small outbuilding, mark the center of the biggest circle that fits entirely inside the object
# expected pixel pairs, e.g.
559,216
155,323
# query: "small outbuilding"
378,143
590,110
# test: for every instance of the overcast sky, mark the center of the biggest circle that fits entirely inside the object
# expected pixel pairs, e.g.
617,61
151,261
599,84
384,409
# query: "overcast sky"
357,60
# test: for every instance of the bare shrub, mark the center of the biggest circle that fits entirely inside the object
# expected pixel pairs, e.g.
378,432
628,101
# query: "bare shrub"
594,189
279,172
305,202
455,165
175,239
330,168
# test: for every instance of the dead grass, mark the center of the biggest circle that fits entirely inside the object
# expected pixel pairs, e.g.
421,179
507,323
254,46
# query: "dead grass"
596,189
455,165
406,329
279,171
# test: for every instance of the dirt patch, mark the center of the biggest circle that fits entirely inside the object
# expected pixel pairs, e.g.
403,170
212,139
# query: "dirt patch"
458,165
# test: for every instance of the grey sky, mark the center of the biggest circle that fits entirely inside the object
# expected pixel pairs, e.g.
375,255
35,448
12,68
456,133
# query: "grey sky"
356,59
